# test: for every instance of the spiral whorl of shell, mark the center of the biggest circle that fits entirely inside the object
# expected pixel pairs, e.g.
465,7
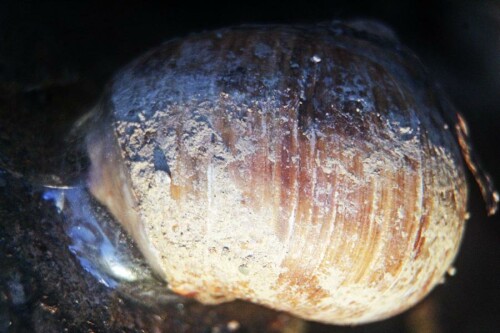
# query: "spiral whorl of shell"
305,169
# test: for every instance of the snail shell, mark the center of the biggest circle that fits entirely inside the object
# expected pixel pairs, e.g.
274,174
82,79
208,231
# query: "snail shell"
308,169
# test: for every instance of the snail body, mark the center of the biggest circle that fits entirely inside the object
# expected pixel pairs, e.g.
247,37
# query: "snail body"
308,169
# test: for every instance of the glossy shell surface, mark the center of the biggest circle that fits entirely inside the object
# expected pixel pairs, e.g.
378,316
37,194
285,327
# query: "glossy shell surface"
308,169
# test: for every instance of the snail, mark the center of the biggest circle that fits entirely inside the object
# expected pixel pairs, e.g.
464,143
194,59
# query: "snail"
315,170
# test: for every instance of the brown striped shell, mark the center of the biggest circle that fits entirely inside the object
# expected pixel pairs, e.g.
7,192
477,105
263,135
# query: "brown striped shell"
308,169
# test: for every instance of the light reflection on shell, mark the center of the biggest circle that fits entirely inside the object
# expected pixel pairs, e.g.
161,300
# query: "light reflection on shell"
307,169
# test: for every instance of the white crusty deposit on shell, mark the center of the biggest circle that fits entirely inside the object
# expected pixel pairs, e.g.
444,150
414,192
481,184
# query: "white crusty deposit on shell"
327,189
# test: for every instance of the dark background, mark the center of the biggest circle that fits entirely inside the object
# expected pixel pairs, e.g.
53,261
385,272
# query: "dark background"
56,56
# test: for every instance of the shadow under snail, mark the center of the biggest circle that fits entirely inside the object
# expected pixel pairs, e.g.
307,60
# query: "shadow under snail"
315,170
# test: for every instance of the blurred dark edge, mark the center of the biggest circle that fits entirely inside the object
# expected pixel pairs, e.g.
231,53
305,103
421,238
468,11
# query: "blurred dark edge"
55,58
